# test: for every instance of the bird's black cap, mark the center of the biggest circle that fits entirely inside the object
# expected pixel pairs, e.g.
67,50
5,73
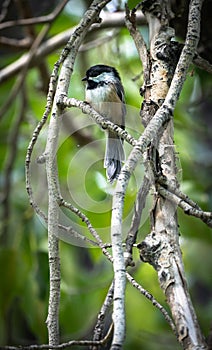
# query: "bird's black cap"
96,70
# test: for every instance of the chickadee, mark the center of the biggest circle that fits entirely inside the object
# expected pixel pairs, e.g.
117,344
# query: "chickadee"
105,93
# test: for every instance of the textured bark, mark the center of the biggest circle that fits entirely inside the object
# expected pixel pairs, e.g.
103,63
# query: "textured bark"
161,247
68,57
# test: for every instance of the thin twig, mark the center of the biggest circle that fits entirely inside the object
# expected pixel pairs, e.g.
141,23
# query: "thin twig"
23,73
98,330
9,163
64,101
90,227
138,208
108,20
4,9
17,44
35,20
206,217
137,37
99,41
58,41
59,346
30,56
202,63
153,301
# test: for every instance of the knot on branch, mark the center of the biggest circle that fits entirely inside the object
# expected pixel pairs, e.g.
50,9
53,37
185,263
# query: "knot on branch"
61,101
158,9
153,7
165,49
148,109
149,249
157,251
41,159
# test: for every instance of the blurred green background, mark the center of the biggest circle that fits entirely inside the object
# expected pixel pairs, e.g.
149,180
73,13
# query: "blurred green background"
86,274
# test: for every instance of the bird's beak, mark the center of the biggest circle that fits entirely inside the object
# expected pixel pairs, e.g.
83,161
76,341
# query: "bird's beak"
84,79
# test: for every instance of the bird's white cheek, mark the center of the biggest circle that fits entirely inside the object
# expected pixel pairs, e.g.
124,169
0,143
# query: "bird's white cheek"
96,95
88,96
96,98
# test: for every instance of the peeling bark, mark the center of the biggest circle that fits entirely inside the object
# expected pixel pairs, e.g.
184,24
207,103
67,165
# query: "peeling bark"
161,247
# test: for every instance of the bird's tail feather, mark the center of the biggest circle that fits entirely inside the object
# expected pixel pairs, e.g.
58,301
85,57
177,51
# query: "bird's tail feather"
114,156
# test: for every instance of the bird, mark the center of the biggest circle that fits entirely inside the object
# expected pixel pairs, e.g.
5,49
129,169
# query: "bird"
105,93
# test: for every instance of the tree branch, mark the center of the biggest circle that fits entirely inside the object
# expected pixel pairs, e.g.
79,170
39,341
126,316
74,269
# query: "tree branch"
138,39
67,60
153,300
188,209
161,247
109,20
98,331
9,164
138,208
23,73
4,9
35,20
202,63
85,107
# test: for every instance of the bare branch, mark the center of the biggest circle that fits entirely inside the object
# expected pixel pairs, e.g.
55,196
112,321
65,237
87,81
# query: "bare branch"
152,299
4,9
138,208
16,43
59,346
64,101
138,39
116,20
67,58
109,20
161,247
36,20
99,41
206,217
98,331
9,163
85,219
23,73
150,133
202,63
